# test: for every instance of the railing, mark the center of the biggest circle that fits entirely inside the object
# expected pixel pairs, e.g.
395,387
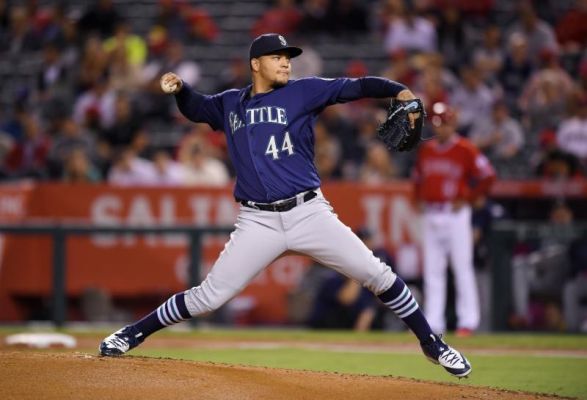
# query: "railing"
60,232
503,236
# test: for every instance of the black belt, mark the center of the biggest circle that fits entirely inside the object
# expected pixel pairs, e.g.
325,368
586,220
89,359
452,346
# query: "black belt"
281,206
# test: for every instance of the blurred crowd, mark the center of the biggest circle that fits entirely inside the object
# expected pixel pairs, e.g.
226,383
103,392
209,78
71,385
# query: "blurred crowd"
515,70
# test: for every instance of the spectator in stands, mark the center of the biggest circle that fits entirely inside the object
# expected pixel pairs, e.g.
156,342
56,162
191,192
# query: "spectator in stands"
157,40
472,98
434,84
6,146
327,153
126,126
349,17
488,58
452,36
556,164
571,28
202,169
283,17
20,36
477,11
400,69
47,24
516,70
309,63
538,33
316,17
545,96
67,137
53,77
122,73
363,132
539,270
341,303
4,17
378,167
201,27
236,75
498,135
583,75
334,120
14,123
130,170
410,32
93,64
101,17
575,289
95,108
131,45
171,16
28,157
168,172
572,132
79,169
52,24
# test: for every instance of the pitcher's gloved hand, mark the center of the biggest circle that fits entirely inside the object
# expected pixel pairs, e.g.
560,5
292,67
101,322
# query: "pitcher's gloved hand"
402,129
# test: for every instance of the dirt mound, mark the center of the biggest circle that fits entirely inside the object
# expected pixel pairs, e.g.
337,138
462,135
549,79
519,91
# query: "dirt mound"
29,374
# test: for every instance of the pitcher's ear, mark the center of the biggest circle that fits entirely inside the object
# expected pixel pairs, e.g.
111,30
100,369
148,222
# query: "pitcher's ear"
255,63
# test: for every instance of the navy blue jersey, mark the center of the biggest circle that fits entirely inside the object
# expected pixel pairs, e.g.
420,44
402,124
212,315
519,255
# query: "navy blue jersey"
270,135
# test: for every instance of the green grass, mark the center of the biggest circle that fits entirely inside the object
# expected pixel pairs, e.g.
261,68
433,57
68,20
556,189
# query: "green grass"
555,375
538,341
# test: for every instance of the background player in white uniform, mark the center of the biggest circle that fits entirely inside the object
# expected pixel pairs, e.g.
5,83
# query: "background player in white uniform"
450,175
269,131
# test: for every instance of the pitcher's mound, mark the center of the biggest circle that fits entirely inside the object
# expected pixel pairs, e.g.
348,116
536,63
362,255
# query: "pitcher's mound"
50,375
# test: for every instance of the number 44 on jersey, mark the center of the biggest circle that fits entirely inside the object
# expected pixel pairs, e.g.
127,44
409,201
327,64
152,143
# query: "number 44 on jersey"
274,150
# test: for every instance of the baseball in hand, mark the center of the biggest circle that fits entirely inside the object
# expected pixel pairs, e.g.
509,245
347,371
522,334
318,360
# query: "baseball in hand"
170,83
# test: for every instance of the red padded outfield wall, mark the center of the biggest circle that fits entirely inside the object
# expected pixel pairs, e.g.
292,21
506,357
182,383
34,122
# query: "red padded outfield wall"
135,265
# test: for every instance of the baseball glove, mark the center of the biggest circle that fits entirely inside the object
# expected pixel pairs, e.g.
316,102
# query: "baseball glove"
396,131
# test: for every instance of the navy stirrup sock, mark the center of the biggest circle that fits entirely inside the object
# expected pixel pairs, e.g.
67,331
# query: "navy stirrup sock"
400,300
171,312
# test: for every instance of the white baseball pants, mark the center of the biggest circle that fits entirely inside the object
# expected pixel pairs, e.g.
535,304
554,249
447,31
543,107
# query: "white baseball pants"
260,237
448,235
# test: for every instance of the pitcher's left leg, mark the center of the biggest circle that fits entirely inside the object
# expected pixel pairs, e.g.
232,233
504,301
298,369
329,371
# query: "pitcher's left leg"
313,229
461,255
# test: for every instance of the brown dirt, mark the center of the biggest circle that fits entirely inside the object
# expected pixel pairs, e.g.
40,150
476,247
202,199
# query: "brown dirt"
32,374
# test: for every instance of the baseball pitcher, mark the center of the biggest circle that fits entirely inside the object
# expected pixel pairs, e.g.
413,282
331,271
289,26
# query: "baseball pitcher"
269,131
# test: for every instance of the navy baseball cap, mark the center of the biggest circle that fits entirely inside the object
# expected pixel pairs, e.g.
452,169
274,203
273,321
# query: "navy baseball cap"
271,43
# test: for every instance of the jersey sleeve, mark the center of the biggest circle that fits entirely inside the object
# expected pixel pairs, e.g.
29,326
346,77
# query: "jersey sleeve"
198,107
321,92
483,173
318,93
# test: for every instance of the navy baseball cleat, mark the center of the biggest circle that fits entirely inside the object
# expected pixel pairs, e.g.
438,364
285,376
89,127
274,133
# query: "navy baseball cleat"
120,342
441,353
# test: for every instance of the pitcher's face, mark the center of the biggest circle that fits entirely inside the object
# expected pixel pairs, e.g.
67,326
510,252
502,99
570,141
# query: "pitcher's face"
275,69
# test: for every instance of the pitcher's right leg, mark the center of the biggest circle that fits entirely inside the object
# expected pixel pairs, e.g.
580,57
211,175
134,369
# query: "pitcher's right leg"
256,242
